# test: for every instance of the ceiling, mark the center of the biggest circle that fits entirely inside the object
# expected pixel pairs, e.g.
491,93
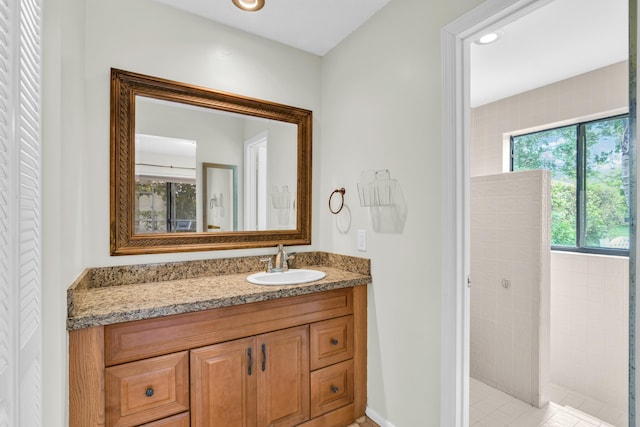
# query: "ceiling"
315,26
559,40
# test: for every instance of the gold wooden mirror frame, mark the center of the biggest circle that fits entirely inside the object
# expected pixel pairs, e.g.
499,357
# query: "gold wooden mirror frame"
125,86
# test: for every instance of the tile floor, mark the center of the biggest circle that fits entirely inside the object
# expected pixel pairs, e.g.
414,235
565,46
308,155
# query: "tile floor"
492,408
364,422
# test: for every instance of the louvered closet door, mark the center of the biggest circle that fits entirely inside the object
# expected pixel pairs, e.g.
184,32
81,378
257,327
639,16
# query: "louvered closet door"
20,165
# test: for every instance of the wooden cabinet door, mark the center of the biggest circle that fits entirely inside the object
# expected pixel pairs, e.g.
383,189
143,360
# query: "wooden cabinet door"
283,380
223,387
254,382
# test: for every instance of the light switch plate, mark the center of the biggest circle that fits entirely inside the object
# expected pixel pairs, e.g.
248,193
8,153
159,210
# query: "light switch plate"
362,240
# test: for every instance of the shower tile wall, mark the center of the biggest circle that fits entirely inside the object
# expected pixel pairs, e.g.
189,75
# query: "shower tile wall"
510,283
589,326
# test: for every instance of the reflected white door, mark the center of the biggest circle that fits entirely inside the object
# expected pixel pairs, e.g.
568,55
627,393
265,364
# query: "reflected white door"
255,160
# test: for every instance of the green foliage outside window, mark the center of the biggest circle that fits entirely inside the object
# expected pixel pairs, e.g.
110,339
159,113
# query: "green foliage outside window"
589,192
161,204
184,198
563,214
606,187
151,201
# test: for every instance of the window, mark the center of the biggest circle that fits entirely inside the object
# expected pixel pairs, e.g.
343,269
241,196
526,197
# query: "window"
164,206
589,164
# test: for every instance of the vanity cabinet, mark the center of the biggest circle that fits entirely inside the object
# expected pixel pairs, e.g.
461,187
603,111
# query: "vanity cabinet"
293,361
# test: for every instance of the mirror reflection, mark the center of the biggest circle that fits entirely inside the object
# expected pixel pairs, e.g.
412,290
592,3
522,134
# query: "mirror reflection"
220,197
165,184
201,169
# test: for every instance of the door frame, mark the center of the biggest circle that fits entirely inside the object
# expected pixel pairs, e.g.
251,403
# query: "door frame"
455,342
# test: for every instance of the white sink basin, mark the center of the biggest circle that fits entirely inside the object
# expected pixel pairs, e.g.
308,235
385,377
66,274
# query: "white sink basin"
292,276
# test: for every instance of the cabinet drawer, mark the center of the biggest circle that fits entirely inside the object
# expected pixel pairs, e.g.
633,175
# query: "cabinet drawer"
331,388
180,420
331,341
148,390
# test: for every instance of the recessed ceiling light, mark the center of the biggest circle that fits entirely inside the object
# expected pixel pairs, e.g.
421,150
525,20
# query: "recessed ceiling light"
490,37
249,5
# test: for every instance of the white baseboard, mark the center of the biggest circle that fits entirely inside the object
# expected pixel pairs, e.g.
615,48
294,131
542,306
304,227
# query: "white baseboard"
377,418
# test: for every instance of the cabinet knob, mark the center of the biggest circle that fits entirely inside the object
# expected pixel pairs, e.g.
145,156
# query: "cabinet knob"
334,389
334,341
149,392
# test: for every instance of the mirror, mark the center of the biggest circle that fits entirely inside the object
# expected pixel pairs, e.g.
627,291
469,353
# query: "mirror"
197,169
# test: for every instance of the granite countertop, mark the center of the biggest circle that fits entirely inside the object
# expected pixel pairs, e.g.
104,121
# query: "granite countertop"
108,295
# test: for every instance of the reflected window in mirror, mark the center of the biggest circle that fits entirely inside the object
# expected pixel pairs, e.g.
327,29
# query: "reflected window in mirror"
165,184
164,207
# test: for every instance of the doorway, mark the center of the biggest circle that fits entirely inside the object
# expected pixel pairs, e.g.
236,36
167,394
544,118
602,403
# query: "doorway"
456,192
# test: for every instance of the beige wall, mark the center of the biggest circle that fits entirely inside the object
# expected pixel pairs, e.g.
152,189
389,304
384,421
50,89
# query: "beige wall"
157,40
382,109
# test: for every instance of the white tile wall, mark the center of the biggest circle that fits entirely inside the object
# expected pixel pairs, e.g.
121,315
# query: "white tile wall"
589,326
510,242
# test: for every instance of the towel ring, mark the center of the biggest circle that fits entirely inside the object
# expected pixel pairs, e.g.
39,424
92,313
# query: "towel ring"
341,192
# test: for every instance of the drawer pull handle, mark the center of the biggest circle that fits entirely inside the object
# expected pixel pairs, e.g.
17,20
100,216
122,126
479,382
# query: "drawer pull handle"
149,392
335,389
264,358
250,360
334,341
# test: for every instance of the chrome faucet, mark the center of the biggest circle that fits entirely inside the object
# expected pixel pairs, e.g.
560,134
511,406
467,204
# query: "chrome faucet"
281,262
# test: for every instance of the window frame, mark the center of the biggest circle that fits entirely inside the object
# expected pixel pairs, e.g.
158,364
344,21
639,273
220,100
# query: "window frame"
170,215
581,167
